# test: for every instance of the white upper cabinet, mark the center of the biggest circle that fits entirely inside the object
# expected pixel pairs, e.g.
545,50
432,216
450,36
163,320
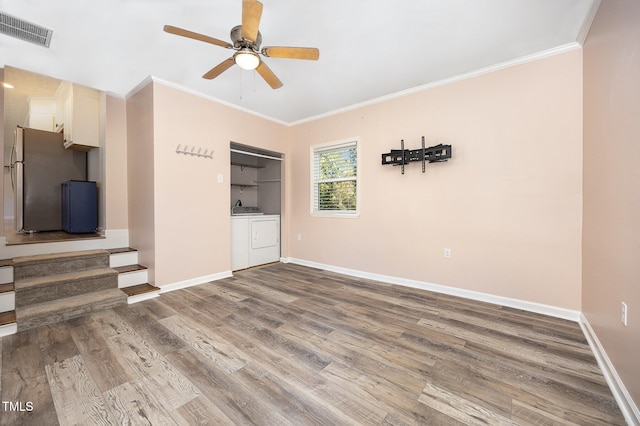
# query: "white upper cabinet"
78,115
42,113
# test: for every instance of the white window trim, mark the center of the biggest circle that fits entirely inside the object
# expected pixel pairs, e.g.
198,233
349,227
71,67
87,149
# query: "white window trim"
334,144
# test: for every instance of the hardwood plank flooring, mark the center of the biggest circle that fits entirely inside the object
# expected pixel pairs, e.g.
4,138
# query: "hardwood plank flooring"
286,344
17,238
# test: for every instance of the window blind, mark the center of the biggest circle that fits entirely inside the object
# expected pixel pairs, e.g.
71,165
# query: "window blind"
335,172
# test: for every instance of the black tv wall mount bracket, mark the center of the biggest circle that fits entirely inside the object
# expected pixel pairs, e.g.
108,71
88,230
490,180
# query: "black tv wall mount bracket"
432,154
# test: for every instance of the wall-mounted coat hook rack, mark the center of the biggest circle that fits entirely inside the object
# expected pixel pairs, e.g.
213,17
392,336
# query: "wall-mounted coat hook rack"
195,151
433,154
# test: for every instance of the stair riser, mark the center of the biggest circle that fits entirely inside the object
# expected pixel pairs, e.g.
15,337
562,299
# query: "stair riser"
8,329
123,259
41,269
6,274
7,301
133,278
61,289
142,297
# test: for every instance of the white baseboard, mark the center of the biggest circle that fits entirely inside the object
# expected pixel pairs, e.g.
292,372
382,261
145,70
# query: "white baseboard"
195,281
625,402
539,308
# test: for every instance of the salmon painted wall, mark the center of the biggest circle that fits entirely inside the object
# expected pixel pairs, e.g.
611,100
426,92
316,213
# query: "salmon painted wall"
191,209
508,204
140,177
115,164
611,240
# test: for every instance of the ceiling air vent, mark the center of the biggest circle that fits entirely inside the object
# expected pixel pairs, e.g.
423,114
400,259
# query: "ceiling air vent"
18,28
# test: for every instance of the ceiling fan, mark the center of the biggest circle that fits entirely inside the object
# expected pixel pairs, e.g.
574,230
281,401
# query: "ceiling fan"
246,40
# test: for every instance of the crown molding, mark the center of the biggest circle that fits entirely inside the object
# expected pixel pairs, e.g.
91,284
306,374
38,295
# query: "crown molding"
482,71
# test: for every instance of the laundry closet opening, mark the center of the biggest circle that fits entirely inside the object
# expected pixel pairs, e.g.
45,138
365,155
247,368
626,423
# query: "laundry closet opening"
256,204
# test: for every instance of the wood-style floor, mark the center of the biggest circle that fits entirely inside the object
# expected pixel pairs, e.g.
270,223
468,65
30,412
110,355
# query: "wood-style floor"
17,238
285,344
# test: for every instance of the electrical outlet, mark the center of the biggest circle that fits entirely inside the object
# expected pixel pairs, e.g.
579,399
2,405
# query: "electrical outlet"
623,314
447,253
299,237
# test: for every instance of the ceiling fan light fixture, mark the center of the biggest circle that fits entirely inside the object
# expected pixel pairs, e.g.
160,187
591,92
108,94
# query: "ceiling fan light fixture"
247,40
246,59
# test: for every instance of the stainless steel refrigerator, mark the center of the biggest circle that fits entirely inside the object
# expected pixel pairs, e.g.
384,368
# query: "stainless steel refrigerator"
39,166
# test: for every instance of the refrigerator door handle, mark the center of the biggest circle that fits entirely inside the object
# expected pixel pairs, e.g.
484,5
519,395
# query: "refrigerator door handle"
11,162
19,197
18,145
12,166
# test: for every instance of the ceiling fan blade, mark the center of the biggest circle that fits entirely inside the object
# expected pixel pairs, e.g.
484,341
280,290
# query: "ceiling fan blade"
219,69
190,34
310,53
251,14
268,75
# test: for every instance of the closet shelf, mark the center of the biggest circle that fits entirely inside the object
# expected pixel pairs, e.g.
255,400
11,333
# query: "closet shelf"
243,165
267,180
245,185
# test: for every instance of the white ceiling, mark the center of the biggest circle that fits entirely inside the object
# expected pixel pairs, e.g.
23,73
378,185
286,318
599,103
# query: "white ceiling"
368,48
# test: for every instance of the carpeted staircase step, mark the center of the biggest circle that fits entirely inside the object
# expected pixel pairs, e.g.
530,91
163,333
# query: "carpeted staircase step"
58,263
70,307
44,288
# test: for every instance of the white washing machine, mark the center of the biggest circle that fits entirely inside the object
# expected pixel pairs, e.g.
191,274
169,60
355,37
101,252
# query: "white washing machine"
255,240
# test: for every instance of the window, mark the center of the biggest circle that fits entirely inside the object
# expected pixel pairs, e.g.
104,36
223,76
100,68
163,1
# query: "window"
334,179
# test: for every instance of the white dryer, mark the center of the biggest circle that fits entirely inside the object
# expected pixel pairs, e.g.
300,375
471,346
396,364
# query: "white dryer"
255,239
265,239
